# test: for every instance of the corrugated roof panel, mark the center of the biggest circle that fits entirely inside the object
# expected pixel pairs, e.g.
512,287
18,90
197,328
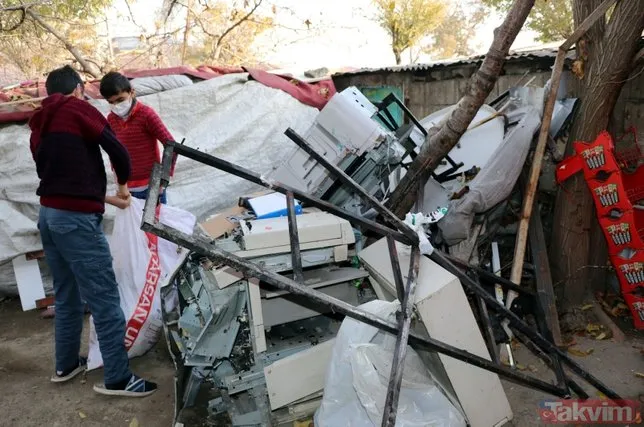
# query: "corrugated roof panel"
538,53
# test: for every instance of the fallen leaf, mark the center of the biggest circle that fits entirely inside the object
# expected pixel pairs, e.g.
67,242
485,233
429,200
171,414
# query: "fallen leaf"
82,415
587,307
601,336
521,367
580,353
593,327
134,422
639,375
533,368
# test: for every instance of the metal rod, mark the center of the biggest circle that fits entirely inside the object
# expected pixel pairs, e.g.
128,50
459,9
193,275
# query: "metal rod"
488,333
248,175
505,283
247,267
154,188
576,388
345,179
518,324
298,276
400,351
395,265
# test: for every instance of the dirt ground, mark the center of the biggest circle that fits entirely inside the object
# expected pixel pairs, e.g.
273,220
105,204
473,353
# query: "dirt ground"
29,399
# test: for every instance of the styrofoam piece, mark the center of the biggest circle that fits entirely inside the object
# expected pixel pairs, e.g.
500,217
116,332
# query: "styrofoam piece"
30,286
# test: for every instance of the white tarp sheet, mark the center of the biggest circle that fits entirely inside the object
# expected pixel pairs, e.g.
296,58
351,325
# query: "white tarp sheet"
228,117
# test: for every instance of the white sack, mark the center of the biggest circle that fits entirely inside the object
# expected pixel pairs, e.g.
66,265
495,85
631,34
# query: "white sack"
358,375
149,85
228,116
142,262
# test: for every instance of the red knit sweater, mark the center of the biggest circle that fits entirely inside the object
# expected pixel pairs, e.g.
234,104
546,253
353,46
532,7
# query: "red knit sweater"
139,133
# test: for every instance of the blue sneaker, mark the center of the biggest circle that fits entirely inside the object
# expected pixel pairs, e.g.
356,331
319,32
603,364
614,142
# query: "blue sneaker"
64,376
134,387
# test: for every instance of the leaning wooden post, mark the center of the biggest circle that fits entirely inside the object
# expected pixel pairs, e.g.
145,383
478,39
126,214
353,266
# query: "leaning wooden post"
535,170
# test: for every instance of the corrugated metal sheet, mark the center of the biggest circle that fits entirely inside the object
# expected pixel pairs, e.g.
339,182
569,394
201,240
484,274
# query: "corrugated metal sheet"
529,54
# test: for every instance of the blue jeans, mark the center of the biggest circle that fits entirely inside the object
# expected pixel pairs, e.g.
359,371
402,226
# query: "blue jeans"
144,195
81,265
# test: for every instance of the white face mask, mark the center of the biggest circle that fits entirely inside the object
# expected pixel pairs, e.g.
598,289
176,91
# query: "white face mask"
122,108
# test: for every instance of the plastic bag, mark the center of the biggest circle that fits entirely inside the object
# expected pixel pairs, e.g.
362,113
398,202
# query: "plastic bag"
358,375
142,261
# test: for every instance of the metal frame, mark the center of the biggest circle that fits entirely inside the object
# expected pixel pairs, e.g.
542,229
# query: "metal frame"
385,116
400,232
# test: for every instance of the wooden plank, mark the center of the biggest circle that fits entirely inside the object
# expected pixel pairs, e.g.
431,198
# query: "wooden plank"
545,289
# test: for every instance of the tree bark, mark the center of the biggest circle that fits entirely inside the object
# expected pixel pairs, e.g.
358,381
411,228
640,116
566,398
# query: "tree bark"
607,51
440,143
397,56
88,67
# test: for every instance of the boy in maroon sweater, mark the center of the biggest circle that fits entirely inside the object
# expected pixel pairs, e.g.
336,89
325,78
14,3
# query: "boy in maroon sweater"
67,135
139,128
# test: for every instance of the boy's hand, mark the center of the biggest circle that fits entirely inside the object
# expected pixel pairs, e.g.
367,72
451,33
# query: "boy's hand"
118,201
123,192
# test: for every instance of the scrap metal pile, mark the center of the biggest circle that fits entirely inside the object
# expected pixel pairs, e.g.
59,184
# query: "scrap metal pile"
261,300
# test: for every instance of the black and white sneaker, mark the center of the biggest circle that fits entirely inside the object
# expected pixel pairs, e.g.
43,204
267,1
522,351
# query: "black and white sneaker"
134,387
64,376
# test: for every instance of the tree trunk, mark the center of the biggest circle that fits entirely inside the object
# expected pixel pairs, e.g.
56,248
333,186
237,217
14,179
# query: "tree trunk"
88,67
441,142
578,248
397,56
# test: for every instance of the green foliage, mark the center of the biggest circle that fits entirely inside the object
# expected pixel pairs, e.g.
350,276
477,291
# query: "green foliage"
455,35
409,21
552,20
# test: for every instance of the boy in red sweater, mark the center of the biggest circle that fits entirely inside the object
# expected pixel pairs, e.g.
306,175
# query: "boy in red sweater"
139,129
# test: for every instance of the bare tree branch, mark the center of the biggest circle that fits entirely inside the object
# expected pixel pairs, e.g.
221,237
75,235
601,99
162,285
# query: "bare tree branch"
87,66
238,23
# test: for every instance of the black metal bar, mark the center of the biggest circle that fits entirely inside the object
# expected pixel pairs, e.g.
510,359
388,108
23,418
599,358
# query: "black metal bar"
395,266
385,121
517,323
251,270
488,333
231,168
166,159
391,98
298,276
154,189
400,351
576,388
505,283
389,216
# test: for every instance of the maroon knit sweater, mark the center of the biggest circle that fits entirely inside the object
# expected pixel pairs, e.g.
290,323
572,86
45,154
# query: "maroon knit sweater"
67,135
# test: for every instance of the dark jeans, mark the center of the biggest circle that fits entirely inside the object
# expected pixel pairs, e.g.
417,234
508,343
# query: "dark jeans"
144,195
81,265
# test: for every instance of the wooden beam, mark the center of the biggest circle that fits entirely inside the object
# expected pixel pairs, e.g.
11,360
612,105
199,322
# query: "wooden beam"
545,290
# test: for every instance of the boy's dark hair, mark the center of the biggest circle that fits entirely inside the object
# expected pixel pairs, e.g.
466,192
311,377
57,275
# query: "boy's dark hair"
63,80
114,83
